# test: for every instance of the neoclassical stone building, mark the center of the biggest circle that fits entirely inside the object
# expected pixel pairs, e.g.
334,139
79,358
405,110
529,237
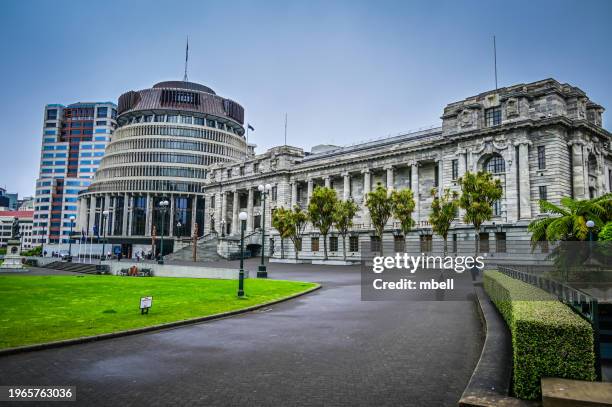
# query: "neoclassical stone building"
543,140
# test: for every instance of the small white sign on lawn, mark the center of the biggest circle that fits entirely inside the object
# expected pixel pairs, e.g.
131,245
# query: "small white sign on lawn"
145,304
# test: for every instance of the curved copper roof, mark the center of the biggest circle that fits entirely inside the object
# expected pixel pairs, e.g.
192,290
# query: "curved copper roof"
184,85
180,96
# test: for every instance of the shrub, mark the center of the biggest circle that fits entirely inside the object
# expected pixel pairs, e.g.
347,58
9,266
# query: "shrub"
548,338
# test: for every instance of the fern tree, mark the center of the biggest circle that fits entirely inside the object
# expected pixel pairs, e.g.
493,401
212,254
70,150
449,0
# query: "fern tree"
443,212
402,208
344,213
321,212
479,191
380,208
568,221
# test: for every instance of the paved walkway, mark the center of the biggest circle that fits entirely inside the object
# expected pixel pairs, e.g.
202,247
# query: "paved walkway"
327,348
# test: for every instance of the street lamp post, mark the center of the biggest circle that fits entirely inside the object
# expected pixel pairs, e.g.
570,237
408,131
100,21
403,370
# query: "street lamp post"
590,224
178,226
163,207
104,221
243,217
72,218
222,226
264,190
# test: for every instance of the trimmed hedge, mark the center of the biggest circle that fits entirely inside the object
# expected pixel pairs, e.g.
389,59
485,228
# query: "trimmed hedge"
548,338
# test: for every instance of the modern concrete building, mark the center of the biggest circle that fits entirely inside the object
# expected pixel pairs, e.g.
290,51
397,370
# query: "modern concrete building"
73,143
543,140
167,138
25,227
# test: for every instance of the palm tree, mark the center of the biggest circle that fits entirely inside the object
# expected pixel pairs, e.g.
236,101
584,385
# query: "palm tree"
568,220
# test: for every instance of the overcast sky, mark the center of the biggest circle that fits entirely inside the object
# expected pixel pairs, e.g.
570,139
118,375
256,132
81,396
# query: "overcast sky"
343,71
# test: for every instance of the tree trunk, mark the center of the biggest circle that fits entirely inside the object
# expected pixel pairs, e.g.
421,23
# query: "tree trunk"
476,240
324,247
295,246
344,246
445,245
282,248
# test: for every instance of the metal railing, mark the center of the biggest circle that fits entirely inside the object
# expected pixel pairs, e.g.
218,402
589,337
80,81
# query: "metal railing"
583,304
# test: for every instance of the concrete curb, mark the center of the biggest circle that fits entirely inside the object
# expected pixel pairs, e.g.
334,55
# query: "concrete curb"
159,327
489,385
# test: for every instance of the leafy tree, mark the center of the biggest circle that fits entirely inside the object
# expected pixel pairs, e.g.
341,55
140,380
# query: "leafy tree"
282,222
321,211
402,207
479,191
606,233
568,220
443,212
380,207
298,220
344,213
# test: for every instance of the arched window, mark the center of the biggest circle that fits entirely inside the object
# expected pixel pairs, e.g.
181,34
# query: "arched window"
495,164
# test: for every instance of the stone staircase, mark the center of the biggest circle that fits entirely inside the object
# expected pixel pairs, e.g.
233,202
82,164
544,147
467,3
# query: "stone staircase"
73,267
206,251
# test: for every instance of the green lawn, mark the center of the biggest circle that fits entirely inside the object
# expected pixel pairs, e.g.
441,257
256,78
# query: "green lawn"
37,309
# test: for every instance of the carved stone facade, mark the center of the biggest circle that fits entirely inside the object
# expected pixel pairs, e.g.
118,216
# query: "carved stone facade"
542,140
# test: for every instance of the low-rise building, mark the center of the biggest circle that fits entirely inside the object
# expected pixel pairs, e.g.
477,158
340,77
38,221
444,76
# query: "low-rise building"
25,227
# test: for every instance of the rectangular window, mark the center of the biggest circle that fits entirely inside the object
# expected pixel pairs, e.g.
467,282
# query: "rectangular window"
314,244
229,173
493,116
354,243
52,114
333,243
541,157
426,243
454,169
398,243
497,208
375,244
102,112
101,123
255,167
500,242
484,242
436,176
543,192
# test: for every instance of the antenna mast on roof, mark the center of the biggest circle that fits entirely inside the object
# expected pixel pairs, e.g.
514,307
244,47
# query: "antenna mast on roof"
285,128
495,60
186,60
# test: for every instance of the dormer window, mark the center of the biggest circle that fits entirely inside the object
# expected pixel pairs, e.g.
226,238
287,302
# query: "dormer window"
493,116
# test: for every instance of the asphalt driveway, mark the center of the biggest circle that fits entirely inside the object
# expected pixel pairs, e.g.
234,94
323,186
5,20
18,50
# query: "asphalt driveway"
327,348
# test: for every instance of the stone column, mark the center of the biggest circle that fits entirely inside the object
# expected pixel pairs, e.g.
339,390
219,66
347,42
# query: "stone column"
440,175
223,219
389,169
125,215
235,209
149,215
171,221
366,184
194,214
414,185
131,215
327,180
250,220
93,201
524,182
294,193
309,192
114,219
511,198
461,168
346,191
579,180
